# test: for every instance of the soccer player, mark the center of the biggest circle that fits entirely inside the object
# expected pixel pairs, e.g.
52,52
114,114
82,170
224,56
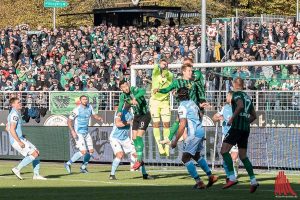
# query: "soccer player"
188,113
160,104
224,115
20,143
79,131
142,117
121,143
243,115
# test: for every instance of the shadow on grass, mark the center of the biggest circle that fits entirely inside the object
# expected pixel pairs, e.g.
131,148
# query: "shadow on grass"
135,192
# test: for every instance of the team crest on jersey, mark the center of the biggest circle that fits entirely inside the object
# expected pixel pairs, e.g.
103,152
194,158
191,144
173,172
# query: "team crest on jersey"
189,86
15,118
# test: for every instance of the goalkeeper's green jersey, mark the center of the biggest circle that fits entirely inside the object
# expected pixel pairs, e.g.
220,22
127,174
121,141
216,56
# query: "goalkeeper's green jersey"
161,79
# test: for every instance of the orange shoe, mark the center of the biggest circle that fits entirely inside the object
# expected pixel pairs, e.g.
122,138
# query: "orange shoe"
212,179
137,165
200,185
229,184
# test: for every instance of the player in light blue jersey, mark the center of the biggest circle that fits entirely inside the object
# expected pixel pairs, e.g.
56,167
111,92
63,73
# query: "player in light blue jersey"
224,116
189,119
81,116
121,142
20,143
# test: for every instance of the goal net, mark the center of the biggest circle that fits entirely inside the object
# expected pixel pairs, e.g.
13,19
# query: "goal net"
274,141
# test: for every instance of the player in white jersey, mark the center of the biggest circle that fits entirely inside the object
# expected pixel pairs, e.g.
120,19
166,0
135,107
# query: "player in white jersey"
20,143
121,142
79,131
224,116
189,119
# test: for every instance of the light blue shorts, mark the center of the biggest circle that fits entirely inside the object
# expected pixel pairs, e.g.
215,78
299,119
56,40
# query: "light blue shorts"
193,145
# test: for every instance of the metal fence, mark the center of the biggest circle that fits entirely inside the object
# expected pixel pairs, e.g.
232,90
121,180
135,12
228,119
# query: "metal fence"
263,100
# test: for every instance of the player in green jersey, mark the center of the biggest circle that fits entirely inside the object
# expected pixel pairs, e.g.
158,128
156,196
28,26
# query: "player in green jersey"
243,115
195,95
135,97
160,104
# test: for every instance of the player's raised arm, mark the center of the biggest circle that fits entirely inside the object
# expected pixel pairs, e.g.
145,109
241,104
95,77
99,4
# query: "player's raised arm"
121,103
169,88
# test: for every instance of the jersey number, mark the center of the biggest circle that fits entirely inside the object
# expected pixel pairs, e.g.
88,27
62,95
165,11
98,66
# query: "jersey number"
248,104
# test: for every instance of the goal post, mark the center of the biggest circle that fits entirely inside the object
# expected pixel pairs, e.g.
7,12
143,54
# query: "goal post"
268,145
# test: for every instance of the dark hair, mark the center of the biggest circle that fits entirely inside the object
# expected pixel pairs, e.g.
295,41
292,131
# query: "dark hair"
183,94
83,96
13,100
163,60
122,82
188,59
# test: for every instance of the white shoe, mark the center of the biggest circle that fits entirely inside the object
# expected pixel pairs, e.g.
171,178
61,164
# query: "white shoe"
17,173
38,177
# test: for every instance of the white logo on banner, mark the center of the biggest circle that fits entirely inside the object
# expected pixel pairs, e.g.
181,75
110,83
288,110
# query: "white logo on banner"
56,120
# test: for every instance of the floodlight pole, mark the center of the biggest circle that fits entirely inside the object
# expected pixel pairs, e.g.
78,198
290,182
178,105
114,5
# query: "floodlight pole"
203,31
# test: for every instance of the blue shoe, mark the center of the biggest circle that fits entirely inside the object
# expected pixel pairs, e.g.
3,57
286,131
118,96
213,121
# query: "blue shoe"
68,168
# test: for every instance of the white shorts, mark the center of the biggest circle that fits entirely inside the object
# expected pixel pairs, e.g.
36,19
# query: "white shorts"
27,150
125,146
234,149
84,142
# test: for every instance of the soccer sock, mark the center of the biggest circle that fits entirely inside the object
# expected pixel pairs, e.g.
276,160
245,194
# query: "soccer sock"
249,168
36,166
236,167
143,170
75,157
226,169
204,166
166,135
156,134
173,129
228,160
25,162
192,170
115,165
140,148
86,160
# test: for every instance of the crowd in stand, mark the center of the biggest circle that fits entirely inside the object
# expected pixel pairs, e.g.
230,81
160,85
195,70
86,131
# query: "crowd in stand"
97,58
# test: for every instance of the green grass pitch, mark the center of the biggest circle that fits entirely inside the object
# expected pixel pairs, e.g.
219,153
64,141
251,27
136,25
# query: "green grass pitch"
96,185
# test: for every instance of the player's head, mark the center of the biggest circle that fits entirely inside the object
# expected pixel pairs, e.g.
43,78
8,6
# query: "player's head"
187,71
188,61
183,94
84,100
124,86
229,97
15,103
238,83
163,63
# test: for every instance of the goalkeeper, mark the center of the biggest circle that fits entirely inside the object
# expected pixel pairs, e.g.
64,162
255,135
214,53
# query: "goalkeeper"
160,104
